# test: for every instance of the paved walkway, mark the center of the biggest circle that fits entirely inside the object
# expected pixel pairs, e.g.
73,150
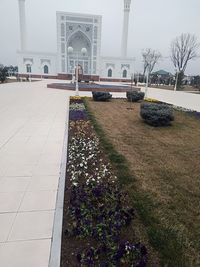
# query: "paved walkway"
32,124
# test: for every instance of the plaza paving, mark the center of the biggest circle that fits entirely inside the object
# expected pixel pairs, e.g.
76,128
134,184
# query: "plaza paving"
32,126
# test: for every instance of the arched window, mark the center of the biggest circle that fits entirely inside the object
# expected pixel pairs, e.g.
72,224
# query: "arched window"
124,75
110,73
46,69
28,68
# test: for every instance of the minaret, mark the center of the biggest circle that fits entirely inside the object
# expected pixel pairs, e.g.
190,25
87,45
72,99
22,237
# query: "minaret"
22,20
127,4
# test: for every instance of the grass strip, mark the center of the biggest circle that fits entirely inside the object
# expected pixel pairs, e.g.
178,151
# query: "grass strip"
166,240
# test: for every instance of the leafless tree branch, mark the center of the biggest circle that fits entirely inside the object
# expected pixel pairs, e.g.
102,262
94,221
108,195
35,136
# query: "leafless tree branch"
150,59
183,49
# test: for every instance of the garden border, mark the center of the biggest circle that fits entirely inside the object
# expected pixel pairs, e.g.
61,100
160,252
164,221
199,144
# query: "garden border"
55,251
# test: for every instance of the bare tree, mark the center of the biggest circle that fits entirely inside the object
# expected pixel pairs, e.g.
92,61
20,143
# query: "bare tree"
150,59
183,49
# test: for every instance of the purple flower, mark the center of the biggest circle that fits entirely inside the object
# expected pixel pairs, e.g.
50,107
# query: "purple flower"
76,115
104,264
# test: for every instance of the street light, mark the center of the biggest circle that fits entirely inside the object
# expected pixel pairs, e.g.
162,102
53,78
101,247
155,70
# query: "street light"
176,82
40,68
83,53
30,69
70,51
147,83
138,78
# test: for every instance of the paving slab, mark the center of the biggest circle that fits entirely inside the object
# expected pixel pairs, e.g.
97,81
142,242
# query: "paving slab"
33,253
33,120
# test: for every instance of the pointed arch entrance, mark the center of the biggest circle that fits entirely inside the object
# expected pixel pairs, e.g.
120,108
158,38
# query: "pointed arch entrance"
81,52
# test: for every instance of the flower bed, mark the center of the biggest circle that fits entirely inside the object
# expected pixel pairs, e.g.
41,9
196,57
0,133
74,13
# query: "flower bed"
96,213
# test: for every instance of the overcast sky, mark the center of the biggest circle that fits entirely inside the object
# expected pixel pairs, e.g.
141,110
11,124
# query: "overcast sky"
153,24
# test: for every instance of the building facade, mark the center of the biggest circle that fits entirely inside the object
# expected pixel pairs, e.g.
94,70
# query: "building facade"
78,44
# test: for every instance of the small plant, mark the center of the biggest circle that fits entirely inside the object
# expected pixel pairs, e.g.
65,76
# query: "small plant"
3,73
101,96
157,114
134,96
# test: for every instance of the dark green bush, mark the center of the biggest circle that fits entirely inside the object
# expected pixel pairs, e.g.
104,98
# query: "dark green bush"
3,73
101,96
156,114
134,96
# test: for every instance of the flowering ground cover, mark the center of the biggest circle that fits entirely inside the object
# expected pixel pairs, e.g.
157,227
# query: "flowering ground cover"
97,214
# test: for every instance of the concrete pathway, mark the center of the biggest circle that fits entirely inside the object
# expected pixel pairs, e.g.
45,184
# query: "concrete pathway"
32,124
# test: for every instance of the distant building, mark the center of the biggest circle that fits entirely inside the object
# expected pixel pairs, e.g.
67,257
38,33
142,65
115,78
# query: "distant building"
162,73
78,44
162,77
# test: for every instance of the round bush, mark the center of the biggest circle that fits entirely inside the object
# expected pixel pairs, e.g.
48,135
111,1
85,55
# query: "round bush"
134,96
157,114
101,96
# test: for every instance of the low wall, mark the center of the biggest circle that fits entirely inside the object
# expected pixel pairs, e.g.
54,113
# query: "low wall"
115,80
37,76
177,98
84,77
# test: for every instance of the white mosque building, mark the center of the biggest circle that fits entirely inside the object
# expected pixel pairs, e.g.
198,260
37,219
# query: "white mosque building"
78,44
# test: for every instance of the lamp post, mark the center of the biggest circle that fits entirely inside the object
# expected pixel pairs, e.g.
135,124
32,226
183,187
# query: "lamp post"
138,78
131,91
176,82
77,71
40,68
30,65
147,83
83,53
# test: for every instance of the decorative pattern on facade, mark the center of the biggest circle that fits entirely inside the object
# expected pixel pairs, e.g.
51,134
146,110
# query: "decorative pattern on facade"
125,66
110,65
28,59
74,27
79,19
45,61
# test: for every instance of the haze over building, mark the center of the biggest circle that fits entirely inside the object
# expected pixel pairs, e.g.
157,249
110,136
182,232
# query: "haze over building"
78,44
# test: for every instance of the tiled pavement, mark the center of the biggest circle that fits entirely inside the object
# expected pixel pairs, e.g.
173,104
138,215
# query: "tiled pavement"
32,125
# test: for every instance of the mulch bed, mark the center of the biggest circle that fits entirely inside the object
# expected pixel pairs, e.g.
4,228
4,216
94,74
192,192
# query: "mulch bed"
97,215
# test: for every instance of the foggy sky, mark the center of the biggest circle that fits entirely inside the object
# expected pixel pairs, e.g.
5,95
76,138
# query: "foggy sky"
153,24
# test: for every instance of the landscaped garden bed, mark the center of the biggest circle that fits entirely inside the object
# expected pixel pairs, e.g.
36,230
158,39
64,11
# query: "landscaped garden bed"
98,214
164,175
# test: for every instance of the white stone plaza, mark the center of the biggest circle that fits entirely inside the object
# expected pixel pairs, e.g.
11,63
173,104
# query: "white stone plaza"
78,44
33,121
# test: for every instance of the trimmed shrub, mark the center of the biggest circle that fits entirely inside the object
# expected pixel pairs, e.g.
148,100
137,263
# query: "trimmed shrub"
101,96
3,73
134,96
157,114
